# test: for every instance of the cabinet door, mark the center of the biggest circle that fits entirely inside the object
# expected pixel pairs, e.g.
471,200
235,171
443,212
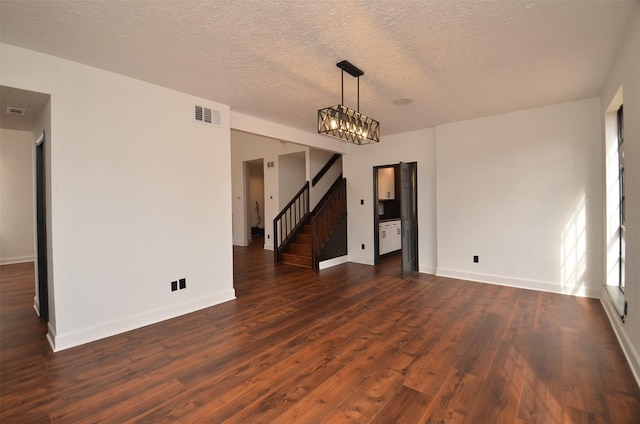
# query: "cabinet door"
384,239
386,184
396,236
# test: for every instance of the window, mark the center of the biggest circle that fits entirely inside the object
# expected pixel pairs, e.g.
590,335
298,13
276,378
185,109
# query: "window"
615,203
621,202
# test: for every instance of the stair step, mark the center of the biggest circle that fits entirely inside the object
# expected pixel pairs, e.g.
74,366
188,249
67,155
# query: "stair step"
300,249
296,260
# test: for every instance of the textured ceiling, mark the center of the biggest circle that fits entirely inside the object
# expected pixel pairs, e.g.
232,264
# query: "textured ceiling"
276,59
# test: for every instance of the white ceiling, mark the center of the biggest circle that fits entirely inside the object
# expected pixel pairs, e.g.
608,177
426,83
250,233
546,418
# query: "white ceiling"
276,59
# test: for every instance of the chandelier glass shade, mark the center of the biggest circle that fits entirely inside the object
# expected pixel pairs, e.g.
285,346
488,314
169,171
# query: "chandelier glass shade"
347,124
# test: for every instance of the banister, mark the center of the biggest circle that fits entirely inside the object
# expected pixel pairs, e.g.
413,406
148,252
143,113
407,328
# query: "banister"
298,194
324,169
290,219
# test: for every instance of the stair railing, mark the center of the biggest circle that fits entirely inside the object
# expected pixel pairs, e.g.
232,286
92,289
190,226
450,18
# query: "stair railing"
325,168
287,222
326,217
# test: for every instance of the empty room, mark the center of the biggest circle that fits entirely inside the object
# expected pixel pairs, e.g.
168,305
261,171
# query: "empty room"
394,211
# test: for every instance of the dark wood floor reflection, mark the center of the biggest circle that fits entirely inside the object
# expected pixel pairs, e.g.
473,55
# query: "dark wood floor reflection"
352,344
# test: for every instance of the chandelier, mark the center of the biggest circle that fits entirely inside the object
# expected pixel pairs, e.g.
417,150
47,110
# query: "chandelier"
347,124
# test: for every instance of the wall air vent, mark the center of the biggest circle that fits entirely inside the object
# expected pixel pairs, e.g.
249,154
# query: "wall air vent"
15,111
207,116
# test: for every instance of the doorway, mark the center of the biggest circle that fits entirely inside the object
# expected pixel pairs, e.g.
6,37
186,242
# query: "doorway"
395,214
30,111
41,230
255,223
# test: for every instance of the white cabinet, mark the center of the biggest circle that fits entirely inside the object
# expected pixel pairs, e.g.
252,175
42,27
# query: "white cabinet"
396,236
389,237
383,240
386,183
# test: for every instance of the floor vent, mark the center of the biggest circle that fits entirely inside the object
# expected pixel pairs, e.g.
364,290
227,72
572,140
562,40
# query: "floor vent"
207,116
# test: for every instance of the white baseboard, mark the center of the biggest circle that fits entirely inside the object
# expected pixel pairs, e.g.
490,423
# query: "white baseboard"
365,260
16,260
51,336
621,334
36,305
101,331
520,283
333,262
426,269
242,243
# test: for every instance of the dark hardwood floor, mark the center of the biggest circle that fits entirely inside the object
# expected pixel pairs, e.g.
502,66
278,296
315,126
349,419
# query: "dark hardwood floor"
352,344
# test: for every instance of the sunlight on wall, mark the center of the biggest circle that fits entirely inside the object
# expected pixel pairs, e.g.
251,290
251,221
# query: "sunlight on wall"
573,251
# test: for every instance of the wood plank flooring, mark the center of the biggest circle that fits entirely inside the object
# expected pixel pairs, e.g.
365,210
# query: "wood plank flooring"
351,344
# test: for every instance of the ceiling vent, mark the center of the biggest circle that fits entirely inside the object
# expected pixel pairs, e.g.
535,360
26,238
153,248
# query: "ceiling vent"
207,116
15,111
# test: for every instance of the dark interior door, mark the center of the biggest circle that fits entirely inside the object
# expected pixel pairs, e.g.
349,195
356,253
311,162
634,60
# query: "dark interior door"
409,217
41,228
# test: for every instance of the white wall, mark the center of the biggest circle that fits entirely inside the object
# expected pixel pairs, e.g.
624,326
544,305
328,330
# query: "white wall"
625,74
316,160
247,147
416,146
523,191
16,196
291,176
137,199
252,125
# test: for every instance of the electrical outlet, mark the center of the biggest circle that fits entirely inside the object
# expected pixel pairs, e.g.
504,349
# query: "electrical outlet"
183,283
362,201
476,259
362,246
174,285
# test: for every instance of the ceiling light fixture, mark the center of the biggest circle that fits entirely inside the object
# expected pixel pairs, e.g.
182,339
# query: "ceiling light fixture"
347,124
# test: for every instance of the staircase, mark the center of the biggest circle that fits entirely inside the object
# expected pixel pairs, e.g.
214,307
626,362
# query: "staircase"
299,251
303,246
